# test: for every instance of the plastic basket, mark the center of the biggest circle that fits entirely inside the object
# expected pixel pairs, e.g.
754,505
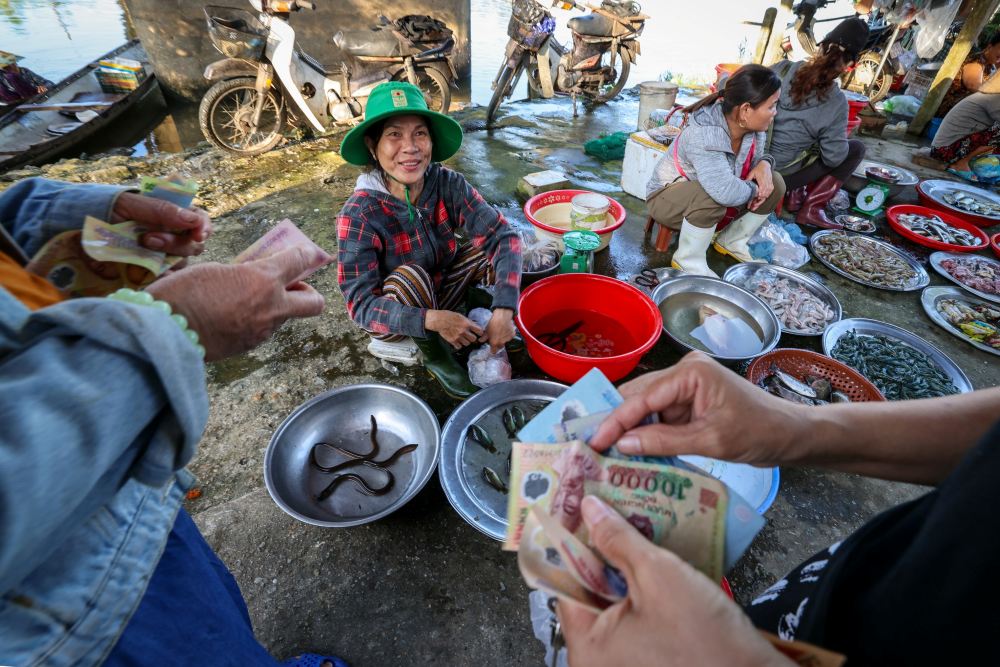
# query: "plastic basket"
236,33
800,363
116,81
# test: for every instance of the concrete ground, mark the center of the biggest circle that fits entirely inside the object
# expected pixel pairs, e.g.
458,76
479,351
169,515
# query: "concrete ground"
422,586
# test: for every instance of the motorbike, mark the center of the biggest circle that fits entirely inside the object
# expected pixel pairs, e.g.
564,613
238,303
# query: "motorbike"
611,29
878,65
266,81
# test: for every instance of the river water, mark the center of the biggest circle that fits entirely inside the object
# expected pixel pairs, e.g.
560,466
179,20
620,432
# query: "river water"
56,37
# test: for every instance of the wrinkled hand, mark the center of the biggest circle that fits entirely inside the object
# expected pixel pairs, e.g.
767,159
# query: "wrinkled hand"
454,327
704,409
173,230
761,175
673,614
235,307
499,330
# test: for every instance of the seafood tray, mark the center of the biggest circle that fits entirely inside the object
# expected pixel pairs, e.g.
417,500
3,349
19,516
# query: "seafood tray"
936,229
803,363
959,314
473,473
976,205
855,223
859,179
904,273
888,383
985,270
802,305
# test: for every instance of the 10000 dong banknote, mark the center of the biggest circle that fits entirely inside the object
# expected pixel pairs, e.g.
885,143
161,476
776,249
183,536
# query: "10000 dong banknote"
680,510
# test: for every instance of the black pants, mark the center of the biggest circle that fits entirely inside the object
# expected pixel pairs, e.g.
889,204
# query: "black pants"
817,170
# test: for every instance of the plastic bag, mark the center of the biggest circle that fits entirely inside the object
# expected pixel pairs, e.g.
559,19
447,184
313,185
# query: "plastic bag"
934,25
487,369
902,105
537,254
779,243
840,202
542,622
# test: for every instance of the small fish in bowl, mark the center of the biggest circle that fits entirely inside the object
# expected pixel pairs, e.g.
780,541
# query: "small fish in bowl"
883,174
856,223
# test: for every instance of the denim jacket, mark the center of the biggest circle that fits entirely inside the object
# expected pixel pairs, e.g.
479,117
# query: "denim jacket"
102,404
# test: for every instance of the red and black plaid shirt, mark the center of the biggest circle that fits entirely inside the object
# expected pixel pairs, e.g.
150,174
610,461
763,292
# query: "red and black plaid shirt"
375,236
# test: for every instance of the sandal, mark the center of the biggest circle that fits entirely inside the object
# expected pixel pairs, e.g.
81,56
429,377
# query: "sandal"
313,660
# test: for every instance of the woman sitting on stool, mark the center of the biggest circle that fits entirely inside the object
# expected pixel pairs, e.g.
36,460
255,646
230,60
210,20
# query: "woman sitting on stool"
809,140
718,162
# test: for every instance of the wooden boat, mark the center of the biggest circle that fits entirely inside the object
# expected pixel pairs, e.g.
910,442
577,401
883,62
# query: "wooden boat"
46,126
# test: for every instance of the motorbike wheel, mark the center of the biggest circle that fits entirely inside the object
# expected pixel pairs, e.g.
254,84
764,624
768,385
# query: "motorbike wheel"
225,113
863,73
610,92
502,91
435,87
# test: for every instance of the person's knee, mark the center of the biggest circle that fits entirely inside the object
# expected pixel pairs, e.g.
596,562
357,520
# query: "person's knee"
779,185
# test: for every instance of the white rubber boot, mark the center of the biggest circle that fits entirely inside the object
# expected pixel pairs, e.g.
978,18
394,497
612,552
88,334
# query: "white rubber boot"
692,246
733,239
403,352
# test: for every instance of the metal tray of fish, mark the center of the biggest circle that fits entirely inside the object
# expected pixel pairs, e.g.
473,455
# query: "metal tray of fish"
464,461
919,281
866,327
740,274
938,257
930,298
947,193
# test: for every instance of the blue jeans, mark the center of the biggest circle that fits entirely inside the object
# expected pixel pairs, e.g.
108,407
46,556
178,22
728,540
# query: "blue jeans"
192,613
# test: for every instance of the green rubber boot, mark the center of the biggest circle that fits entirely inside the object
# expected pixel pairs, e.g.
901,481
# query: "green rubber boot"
442,366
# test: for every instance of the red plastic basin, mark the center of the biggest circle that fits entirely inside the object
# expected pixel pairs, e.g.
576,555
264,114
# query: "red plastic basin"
995,244
894,212
610,310
854,107
533,206
853,125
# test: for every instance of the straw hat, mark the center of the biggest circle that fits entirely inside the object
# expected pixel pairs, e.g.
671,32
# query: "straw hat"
991,85
7,58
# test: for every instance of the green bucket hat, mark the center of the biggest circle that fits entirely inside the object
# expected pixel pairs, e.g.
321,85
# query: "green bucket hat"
396,98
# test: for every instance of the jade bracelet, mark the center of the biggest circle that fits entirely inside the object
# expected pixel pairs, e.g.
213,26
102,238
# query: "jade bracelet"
146,299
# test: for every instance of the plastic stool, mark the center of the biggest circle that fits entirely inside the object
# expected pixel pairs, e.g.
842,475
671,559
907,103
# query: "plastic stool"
663,237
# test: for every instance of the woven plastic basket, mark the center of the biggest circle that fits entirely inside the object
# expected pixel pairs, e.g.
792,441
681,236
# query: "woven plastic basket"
800,363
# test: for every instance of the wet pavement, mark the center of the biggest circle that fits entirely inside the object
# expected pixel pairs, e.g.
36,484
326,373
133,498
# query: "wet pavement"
422,586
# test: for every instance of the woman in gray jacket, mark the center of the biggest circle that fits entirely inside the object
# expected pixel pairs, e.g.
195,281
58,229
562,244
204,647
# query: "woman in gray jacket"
717,169
809,141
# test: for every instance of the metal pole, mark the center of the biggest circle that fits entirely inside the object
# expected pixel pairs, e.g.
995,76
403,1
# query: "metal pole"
980,15
881,63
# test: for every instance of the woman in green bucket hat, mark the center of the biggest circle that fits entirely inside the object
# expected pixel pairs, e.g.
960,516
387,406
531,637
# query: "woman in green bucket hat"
415,236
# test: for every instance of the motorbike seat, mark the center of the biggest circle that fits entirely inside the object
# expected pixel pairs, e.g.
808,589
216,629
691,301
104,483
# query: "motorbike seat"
368,43
593,25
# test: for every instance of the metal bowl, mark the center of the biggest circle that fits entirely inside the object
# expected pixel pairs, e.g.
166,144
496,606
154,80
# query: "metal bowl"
930,298
855,223
921,278
740,274
342,417
856,181
529,277
937,257
866,327
460,472
680,298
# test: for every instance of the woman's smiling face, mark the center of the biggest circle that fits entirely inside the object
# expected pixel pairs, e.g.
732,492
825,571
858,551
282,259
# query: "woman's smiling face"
404,149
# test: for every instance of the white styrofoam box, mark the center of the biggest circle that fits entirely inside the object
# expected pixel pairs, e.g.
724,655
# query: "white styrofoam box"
641,155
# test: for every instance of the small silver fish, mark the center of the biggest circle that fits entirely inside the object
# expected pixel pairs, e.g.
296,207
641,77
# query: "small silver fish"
798,387
478,435
493,479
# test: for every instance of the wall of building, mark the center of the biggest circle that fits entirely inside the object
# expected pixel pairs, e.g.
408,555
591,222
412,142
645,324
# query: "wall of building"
175,35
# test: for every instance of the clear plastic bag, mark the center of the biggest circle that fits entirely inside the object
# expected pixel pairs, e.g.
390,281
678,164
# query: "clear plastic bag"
934,23
538,254
775,242
487,369
542,622
840,202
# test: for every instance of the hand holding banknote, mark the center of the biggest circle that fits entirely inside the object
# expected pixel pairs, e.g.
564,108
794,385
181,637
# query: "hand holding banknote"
672,616
170,229
704,409
234,308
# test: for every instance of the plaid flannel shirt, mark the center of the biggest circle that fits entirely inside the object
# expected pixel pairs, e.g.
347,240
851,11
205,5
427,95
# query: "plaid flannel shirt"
375,236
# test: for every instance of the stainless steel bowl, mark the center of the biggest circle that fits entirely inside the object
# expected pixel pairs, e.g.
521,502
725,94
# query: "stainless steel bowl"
342,417
529,277
680,298
741,273
856,181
